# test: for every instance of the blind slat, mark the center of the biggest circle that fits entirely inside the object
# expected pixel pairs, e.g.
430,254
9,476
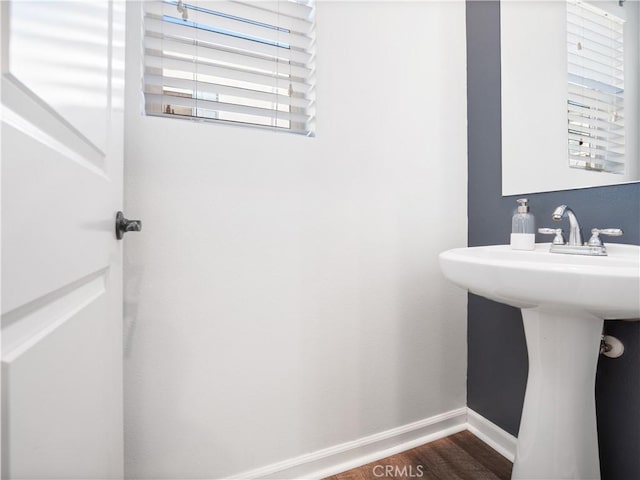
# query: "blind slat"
260,81
263,29
602,50
595,153
600,33
156,82
160,47
164,29
587,116
299,24
601,142
158,99
596,75
604,68
576,120
594,52
587,106
292,8
598,166
594,17
595,109
577,92
613,41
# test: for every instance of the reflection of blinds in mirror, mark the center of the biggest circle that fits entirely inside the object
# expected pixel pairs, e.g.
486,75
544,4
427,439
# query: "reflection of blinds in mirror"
595,88
247,63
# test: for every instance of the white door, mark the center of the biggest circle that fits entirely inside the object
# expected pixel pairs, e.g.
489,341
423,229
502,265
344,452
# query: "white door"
62,129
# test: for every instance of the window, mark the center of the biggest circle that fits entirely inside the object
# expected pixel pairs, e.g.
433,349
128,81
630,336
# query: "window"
249,63
595,88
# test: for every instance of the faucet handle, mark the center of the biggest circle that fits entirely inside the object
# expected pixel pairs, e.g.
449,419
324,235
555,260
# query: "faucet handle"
595,241
558,239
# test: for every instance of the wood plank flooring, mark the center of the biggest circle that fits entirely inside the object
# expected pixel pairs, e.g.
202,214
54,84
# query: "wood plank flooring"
461,456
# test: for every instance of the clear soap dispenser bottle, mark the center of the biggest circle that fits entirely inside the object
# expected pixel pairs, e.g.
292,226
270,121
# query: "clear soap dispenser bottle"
523,227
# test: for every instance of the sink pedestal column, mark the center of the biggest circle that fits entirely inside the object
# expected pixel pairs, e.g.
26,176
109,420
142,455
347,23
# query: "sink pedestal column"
558,437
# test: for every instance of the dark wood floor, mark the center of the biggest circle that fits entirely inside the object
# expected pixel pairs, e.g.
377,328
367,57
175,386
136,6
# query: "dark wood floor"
461,456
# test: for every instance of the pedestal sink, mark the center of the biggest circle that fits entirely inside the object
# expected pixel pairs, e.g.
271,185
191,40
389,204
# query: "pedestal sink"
564,300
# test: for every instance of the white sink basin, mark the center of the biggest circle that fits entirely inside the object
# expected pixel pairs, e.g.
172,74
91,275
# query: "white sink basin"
607,287
564,299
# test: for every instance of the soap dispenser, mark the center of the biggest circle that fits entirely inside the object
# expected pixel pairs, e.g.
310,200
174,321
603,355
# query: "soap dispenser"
523,227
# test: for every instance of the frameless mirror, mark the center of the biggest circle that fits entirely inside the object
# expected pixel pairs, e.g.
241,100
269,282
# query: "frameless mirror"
570,94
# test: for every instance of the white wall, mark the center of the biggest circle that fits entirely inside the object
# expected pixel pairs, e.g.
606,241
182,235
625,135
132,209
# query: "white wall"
284,295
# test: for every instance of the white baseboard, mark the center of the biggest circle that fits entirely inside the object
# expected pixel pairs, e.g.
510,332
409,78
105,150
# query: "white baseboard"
345,456
502,442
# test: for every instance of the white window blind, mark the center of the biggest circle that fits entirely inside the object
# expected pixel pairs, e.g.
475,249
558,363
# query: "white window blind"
249,63
595,88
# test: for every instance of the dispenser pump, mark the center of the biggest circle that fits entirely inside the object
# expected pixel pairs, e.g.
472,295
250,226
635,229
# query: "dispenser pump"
523,205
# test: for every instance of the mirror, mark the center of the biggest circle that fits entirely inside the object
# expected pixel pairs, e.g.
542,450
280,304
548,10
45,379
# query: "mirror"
538,51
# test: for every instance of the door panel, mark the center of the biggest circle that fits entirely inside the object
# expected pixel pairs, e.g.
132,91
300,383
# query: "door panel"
56,396
57,229
62,129
60,51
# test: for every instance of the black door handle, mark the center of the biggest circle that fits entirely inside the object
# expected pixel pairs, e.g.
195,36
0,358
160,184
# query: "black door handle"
123,225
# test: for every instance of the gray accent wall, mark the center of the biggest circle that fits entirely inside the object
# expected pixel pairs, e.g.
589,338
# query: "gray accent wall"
497,355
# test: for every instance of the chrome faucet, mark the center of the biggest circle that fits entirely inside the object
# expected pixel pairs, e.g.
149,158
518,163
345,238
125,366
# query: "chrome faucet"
575,233
575,245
